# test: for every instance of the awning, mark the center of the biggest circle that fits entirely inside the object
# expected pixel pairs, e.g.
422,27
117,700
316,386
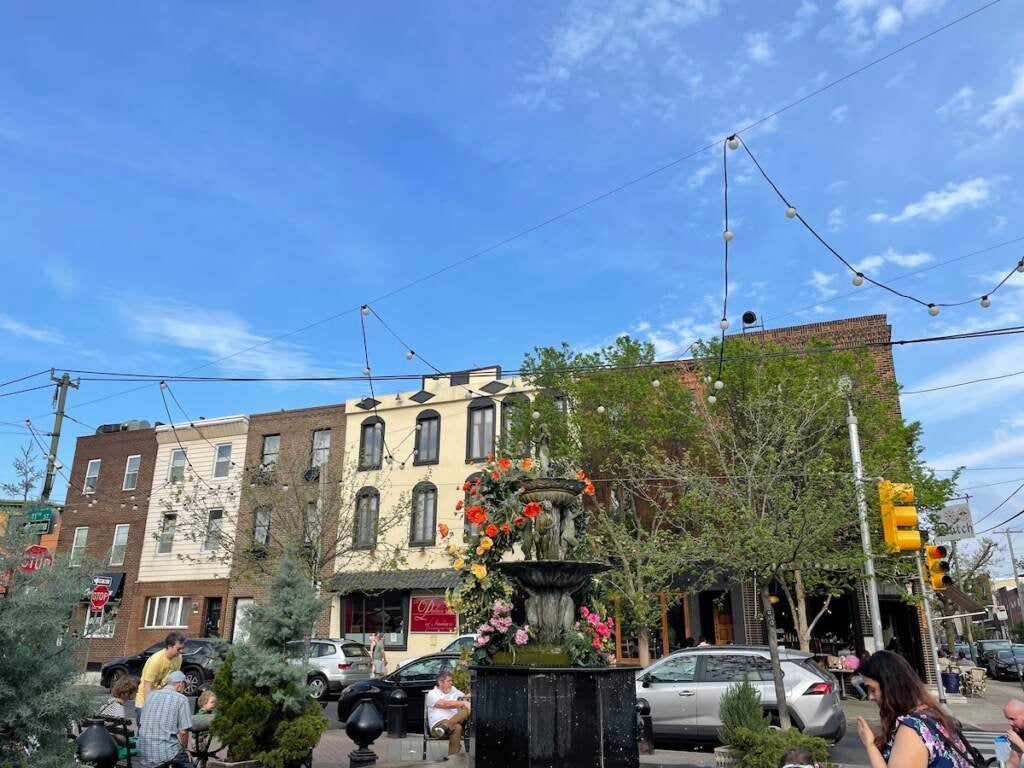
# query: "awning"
379,581
114,581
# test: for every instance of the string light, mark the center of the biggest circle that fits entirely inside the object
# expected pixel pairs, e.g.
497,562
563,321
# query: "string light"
985,302
723,323
600,410
791,212
719,384
728,235
536,415
858,279
733,142
366,371
656,383
410,355
1020,265
712,399
365,309
933,310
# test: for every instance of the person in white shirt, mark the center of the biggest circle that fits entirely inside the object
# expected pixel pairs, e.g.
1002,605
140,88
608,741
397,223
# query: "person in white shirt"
447,710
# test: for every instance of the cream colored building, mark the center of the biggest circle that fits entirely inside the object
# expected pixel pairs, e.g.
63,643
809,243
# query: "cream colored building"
417,448
193,506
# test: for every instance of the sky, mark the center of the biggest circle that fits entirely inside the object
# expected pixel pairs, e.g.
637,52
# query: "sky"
184,181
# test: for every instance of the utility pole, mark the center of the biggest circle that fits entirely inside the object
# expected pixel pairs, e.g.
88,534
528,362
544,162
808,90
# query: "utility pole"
1016,577
931,627
58,418
846,387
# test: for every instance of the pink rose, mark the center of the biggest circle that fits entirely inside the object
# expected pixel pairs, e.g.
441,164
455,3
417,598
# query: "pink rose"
522,637
596,644
584,611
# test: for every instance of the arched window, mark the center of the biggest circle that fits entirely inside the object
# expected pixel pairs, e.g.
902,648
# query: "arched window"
424,515
480,429
364,528
469,530
428,437
371,443
511,407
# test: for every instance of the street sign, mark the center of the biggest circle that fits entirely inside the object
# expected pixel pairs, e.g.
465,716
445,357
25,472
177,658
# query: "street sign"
40,521
98,599
39,514
953,523
35,558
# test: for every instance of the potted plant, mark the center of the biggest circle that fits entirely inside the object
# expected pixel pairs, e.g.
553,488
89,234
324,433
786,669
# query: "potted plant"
743,718
265,715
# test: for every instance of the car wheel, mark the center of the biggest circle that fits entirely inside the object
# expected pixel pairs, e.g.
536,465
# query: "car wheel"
193,680
318,687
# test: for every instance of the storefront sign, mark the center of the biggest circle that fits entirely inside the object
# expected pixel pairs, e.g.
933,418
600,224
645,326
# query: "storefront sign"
954,523
431,614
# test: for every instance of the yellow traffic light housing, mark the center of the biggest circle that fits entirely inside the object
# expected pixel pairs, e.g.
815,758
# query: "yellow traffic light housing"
899,517
938,566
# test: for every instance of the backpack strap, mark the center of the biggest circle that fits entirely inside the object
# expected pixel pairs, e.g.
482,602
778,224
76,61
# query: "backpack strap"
971,754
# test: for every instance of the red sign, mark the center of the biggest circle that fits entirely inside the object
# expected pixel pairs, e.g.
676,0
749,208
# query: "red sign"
36,556
99,597
431,614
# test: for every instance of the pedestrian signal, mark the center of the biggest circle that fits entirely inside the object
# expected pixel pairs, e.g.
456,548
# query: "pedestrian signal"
938,566
899,516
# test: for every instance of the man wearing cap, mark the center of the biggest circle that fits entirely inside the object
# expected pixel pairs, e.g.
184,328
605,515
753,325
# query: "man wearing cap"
163,731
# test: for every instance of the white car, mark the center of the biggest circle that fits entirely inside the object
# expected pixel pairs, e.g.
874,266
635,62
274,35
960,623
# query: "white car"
455,646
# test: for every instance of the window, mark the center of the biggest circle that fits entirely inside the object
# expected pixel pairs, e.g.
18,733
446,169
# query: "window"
261,525
177,470
213,528
78,545
166,612
386,612
240,631
119,545
480,436
166,541
92,476
321,448
311,522
423,671
512,408
733,668
469,530
364,530
424,515
131,473
428,437
99,624
678,669
222,462
271,450
371,443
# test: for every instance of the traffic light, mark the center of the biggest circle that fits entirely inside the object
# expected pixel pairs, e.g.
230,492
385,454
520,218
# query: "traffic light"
899,517
938,566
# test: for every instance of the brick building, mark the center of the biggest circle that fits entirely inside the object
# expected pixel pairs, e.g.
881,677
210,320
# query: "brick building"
104,522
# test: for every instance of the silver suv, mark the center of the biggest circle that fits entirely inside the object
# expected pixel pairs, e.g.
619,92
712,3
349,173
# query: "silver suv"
334,665
684,689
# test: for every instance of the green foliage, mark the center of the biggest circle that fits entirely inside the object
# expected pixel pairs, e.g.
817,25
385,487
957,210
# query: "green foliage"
39,657
264,711
765,748
460,673
740,707
1017,631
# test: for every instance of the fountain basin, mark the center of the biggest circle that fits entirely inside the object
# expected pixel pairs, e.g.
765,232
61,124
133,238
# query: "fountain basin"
558,490
550,584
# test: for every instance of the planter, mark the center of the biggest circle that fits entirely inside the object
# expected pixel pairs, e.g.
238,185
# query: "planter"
727,757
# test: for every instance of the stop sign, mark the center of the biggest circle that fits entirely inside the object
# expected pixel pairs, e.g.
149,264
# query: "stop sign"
36,556
98,598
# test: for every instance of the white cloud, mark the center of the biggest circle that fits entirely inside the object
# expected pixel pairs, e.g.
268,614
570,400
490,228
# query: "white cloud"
215,334
892,256
759,48
822,283
913,8
999,224
959,103
802,20
836,186
1005,447
836,219
935,206
698,177
26,331
862,23
1004,113
62,276
840,113
888,21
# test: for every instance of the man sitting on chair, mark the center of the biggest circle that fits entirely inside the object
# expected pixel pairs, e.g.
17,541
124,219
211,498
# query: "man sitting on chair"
447,711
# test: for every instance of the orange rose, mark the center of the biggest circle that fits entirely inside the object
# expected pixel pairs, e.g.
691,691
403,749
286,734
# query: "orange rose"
532,509
491,530
458,506
495,475
520,521
581,475
504,464
443,530
465,486
526,464
476,515
589,490
506,528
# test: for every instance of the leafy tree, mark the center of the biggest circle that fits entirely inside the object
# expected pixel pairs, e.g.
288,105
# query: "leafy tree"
264,711
26,472
39,659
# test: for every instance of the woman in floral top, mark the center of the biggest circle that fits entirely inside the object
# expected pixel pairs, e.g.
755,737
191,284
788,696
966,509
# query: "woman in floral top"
916,732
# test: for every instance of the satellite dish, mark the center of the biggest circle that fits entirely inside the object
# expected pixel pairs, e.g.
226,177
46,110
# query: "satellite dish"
749,318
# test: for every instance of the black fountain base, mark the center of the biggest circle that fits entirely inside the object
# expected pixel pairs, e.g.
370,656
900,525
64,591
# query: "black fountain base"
556,717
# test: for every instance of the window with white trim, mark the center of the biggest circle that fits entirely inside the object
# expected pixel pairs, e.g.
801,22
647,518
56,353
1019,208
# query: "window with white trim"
92,476
78,545
271,451
99,625
321,448
119,545
213,527
176,474
166,612
261,525
222,462
165,543
131,473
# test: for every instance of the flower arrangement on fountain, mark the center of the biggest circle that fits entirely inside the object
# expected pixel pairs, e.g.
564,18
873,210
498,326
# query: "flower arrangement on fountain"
590,643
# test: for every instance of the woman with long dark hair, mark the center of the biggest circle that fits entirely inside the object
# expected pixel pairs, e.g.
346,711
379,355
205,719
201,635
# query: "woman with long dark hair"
916,731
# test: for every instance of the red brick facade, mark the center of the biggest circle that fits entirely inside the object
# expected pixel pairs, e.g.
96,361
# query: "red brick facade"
101,512
197,594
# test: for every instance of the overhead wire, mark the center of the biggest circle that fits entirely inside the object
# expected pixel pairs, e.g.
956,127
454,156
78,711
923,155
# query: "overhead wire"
999,506
26,376
963,383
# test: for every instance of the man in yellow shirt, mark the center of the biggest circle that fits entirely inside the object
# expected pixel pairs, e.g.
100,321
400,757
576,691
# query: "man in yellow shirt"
158,667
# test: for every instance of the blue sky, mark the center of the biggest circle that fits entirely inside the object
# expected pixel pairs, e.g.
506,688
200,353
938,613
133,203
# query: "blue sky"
181,181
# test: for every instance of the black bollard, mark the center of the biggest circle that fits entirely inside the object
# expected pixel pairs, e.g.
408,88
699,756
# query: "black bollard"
398,716
364,726
644,738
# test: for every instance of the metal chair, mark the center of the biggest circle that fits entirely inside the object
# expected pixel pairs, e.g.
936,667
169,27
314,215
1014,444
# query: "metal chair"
427,736
973,681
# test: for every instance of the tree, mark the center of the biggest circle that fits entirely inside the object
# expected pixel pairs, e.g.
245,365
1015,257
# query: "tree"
26,473
39,658
264,711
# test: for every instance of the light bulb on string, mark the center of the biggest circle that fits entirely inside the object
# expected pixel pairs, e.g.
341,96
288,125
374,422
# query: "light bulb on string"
707,379
719,384
366,371
410,355
791,212
712,399
723,323
365,310
733,143
933,310
656,383
727,235
858,279
600,410
986,302
535,415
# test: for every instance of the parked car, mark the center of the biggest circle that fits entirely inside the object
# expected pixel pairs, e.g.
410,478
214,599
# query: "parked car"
1005,663
987,647
415,678
456,646
685,687
197,660
335,664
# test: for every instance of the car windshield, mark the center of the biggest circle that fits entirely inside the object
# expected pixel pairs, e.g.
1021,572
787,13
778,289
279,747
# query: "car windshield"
1017,652
459,643
354,649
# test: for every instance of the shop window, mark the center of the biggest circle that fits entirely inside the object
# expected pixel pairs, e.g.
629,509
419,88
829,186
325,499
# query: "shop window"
386,612
424,515
428,438
371,443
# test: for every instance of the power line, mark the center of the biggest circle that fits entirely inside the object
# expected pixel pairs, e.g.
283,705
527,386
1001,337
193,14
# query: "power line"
22,391
999,506
26,376
963,383
999,525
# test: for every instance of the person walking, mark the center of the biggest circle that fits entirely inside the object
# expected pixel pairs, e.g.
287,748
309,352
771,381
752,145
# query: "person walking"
377,656
916,731
163,731
447,710
157,669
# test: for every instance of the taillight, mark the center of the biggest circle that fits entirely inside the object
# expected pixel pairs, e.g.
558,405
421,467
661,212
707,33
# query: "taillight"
819,689
343,667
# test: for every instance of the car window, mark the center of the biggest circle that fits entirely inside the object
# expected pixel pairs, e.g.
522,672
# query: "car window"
423,671
680,669
193,646
320,650
295,649
354,649
457,645
733,667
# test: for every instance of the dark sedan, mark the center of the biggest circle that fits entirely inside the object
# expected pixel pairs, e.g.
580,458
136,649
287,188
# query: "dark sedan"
415,678
1006,664
196,662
